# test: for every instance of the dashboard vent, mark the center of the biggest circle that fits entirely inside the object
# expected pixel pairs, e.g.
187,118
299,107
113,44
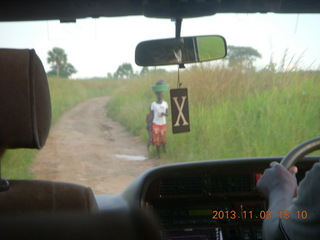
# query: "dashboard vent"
181,186
221,184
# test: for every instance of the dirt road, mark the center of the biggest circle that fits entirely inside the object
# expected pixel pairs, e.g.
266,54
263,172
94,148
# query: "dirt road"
87,148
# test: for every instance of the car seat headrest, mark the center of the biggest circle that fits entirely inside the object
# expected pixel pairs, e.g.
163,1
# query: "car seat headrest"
25,107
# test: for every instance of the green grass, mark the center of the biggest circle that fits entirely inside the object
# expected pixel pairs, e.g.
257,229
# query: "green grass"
64,95
232,114
206,51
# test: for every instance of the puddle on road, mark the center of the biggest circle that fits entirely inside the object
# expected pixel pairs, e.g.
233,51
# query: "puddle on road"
131,157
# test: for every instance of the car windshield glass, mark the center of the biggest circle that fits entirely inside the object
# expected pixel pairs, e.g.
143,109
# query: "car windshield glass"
109,115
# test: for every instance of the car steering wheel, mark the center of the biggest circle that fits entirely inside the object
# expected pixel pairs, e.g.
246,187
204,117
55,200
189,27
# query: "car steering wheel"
300,151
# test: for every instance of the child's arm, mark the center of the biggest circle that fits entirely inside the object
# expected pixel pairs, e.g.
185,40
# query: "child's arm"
165,113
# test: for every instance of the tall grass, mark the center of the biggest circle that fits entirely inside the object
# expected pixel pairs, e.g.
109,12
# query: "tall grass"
232,113
64,95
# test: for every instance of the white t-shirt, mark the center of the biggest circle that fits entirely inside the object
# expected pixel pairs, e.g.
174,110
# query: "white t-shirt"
158,109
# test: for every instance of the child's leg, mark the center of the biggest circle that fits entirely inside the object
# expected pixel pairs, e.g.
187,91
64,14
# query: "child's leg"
164,148
158,151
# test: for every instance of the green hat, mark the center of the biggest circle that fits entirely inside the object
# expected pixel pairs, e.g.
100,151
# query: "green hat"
160,86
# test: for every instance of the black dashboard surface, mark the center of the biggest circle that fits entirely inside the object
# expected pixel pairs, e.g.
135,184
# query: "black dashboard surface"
207,200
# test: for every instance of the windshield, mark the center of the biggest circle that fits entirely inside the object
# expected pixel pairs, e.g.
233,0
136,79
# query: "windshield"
261,100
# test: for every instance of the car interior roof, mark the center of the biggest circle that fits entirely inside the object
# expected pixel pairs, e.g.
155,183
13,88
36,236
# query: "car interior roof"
70,10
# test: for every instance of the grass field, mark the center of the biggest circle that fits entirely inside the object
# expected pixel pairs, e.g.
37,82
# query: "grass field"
232,114
64,95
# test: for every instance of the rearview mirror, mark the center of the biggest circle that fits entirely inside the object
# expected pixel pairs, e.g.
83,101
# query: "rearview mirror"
180,50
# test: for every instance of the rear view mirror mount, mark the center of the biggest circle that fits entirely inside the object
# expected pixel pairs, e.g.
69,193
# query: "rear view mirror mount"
182,50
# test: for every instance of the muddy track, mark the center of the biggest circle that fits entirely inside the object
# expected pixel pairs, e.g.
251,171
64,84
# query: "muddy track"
88,148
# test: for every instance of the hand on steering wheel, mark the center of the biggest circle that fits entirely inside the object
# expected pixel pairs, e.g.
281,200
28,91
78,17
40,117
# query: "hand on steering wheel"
277,180
277,177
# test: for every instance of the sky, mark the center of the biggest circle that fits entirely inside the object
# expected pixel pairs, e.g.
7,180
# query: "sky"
96,47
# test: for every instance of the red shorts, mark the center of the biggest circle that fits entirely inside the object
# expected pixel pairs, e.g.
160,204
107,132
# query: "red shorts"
159,133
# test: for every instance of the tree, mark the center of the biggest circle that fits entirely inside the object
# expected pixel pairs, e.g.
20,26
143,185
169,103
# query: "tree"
110,76
242,57
125,70
59,64
67,70
144,71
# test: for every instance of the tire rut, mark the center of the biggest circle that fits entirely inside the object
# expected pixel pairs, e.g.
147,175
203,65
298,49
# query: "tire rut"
88,148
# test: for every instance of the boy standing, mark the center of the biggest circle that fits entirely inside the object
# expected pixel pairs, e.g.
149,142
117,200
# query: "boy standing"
159,112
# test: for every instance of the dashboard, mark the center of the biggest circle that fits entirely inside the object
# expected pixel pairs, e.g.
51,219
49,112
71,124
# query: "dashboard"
207,200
